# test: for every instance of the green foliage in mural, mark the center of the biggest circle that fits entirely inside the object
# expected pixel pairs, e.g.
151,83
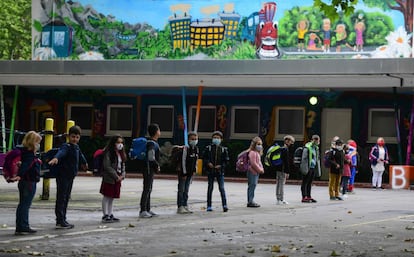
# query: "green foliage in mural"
378,26
15,29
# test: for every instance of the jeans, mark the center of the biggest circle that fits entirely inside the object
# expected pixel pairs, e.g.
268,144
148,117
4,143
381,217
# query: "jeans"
27,190
183,187
220,180
146,192
307,183
280,182
63,191
252,180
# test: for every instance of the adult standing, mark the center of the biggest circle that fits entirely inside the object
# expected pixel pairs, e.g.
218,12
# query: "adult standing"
28,176
255,169
113,173
310,168
378,158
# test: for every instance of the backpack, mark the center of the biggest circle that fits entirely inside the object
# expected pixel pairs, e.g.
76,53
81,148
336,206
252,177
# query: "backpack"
242,163
273,155
327,158
47,170
297,157
176,156
98,157
10,166
138,149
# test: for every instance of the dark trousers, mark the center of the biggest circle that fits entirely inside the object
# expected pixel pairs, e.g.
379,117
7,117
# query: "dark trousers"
307,183
344,184
63,191
146,192
220,180
27,190
183,188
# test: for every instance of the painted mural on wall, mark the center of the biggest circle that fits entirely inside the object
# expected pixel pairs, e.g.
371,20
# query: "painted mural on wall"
243,29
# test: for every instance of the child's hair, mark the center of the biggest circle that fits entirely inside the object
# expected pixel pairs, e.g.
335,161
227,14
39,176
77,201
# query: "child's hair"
254,142
152,129
217,133
192,133
30,139
110,147
75,130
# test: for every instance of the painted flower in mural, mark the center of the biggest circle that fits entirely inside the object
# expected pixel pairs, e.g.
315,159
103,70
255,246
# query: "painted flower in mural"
91,56
398,45
44,53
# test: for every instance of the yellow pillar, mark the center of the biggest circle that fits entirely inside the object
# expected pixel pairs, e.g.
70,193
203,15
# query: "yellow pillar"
69,124
48,146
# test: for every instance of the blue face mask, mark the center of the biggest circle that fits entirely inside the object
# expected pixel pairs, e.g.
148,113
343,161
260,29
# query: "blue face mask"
193,143
259,148
216,141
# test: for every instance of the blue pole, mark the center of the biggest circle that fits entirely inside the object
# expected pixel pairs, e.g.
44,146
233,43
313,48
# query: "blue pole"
184,116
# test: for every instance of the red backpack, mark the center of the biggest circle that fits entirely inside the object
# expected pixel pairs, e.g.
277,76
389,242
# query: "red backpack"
11,164
98,157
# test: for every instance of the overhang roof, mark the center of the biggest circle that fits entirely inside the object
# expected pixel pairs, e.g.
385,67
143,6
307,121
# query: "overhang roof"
350,74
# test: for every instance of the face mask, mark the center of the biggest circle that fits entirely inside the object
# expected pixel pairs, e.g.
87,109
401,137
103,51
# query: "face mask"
340,147
119,146
37,147
216,141
259,148
193,142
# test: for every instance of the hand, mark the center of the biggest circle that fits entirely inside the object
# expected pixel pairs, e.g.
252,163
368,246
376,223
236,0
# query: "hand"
14,179
210,165
19,163
158,170
54,161
217,167
337,166
84,167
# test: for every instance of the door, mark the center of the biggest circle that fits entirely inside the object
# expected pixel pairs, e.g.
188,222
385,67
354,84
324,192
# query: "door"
335,122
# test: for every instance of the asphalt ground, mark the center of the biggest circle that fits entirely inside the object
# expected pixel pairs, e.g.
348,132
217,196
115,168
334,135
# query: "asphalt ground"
367,223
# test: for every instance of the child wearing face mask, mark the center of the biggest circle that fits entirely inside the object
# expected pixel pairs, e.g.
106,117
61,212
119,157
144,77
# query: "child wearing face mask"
215,159
336,158
113,173
378,158
255,169
186,169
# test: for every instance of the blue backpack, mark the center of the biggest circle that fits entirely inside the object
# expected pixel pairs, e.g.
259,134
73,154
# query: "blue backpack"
138,150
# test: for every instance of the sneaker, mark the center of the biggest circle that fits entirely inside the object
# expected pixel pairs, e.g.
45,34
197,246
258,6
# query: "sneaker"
374,188
64,225
381,188
306,199
285,202
345,196
113,218
332,198
145,214
225,209
311,200
278,202
209,208
188,209
106,219
181,210
253,205
339,198
22,232
153,214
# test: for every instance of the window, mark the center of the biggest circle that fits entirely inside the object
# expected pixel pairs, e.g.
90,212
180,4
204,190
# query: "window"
290,120
82,115
119,120
207,120
163,115
381,123
245,122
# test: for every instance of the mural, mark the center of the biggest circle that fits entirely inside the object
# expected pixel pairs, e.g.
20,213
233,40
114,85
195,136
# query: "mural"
243,29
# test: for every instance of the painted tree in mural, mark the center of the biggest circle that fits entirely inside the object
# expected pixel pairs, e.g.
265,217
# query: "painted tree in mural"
15,29
348,7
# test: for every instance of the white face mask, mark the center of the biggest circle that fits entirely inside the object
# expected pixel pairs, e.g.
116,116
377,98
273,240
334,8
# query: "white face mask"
37,147
259,148
119,146
193,143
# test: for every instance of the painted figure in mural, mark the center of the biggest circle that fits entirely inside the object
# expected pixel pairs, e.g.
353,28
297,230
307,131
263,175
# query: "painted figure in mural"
341,36
326,30
267,33
302,28
359,32
313,42
378,158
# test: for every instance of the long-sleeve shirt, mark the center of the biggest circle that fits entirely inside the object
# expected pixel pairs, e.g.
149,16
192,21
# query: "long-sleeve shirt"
255,164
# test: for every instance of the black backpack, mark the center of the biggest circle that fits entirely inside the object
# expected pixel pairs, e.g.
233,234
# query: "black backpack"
297,156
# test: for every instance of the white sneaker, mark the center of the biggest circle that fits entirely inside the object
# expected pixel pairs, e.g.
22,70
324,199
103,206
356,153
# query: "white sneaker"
285,202
145,214
188,209
344,196
181,210
278,202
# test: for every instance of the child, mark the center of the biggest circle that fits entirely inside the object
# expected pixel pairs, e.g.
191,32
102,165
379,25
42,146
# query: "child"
28,176
336,158
341,36
148,168
215,159
326,30
302,28
359,38
68,158
346,172
255,169
378,158
113,173
186,169
312,42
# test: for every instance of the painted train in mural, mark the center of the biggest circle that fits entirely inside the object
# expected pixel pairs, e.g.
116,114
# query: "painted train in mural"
192,30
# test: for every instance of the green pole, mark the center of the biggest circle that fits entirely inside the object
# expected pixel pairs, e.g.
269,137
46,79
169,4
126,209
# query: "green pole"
16,93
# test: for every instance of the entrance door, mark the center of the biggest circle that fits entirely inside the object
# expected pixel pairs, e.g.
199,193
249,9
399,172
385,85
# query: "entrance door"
335,122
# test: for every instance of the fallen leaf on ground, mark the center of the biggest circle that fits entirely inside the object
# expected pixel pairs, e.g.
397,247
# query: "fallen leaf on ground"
275,249
333,253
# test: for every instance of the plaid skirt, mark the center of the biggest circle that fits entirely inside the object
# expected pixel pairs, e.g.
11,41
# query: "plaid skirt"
111,190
